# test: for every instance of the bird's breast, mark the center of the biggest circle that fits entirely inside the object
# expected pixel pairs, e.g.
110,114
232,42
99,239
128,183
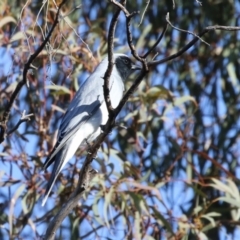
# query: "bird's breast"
116,90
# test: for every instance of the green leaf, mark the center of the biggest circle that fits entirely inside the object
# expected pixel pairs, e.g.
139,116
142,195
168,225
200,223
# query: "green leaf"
2,154
210,219
107,202
158,92
59,89
57,108
179,101
98,180
6,20
12,205
189,169
143,116
146,176
197,209
234,189
20,36
220,186
131,115
75,225
201,235
95,209
56,51
11,87
139,202
164,222
232,74
137,225
123,202
148,237
233,202
144,33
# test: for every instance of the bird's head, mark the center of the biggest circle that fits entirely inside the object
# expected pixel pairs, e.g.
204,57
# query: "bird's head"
124,65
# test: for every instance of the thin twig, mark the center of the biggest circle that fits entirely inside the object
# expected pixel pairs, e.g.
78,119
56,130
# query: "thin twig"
226,28
186,31
39,12
24,118
157,42
173,3
191,43
27,66
200,3
179,53
144,11
121,6
100,226
84,43
129,35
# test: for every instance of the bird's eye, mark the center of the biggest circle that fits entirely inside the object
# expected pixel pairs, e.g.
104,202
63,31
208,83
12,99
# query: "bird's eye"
126,61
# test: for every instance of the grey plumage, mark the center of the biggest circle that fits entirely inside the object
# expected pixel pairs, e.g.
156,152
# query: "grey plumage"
86,113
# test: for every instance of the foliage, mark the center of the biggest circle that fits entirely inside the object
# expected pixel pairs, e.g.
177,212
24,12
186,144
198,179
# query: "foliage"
173,172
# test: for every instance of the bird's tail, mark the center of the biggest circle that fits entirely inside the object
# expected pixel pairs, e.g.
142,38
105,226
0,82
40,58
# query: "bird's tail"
58,164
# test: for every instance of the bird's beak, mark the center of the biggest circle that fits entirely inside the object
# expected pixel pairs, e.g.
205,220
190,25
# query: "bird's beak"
136,67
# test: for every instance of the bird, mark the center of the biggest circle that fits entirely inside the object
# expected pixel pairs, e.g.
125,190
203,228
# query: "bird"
86,113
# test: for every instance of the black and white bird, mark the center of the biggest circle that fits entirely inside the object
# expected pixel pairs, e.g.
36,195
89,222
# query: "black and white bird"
86,113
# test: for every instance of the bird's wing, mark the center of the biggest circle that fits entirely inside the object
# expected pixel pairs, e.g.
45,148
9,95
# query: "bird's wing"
73,119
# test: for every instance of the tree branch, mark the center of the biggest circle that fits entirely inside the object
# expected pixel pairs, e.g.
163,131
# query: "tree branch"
87,174
121,6
24,118
191,43
156,43
129,36
27,66
186,31
111,34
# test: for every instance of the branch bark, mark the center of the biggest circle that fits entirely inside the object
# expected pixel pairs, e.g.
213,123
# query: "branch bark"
87,174
111,34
